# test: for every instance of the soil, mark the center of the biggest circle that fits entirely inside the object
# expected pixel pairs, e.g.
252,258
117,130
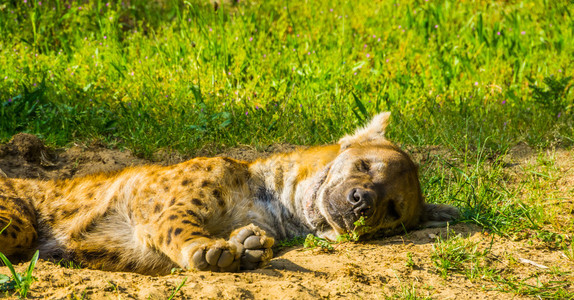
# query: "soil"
392,267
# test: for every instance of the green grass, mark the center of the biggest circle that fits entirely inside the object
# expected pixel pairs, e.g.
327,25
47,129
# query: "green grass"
162,74
20,283
315,242
176,289
457,255
407,293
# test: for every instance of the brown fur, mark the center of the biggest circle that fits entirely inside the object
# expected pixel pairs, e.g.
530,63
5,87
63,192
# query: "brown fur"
216,214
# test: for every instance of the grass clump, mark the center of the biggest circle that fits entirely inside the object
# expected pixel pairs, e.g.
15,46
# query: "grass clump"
361,228
20,283
457,255
407,292
315,242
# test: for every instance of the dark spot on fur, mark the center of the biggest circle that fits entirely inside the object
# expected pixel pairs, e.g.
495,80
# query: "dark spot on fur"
24,207
177,231
168,241
69,213
195,236
16,228
217,194
205,183
90,195
157,208
264,195
196,201
160,239
15,219
131,266
2,207
172,202
172,217
197,233
191,213
201,194
185,182
190,223
209,168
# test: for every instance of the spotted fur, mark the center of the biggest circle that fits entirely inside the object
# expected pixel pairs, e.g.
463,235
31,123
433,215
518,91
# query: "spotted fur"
217,214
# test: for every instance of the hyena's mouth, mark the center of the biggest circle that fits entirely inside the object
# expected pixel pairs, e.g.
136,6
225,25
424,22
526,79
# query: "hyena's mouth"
358,203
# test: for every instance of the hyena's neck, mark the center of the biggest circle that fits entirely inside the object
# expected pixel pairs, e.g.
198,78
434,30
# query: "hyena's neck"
282,184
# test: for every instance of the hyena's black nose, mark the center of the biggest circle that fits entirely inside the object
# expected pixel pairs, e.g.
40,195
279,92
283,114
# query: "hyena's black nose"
362,201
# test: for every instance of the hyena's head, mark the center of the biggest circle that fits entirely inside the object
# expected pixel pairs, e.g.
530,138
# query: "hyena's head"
374,184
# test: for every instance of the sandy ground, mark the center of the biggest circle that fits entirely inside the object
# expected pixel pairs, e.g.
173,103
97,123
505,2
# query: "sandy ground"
393,267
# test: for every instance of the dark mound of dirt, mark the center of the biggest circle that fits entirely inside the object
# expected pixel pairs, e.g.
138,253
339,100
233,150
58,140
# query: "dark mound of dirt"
26,156
27,146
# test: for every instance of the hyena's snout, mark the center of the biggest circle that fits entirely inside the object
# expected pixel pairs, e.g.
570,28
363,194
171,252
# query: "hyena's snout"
362,201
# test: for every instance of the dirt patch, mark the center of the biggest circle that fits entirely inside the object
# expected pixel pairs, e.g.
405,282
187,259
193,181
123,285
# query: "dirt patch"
393,267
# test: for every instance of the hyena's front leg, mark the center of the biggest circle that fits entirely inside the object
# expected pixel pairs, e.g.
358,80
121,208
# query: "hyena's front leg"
182,238
254,245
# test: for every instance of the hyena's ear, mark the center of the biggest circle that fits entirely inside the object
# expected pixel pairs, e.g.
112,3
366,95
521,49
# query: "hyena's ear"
438,215
373,131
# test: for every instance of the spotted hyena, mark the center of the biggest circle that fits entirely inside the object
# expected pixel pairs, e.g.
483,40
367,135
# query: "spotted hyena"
217,214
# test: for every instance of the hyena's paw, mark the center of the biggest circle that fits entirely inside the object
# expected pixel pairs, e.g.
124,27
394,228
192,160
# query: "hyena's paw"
221,256
254,246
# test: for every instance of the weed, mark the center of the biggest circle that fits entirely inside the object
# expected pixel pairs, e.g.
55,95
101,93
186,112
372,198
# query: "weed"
542,290
361,227
296,241
312,242
407,292
177,288
19,282
410,262
457,255
554,97
70,264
